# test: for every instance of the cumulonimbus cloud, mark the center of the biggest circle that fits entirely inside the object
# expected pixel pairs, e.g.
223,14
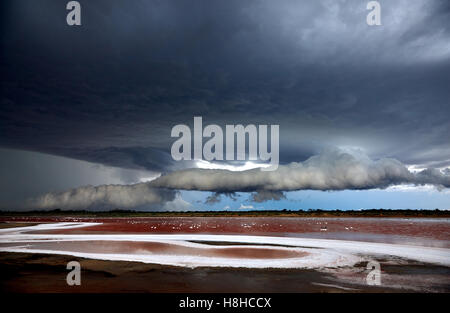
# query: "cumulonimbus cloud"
330,170
136,196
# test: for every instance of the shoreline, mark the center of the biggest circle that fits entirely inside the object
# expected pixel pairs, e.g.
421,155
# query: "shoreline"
364,213
34,258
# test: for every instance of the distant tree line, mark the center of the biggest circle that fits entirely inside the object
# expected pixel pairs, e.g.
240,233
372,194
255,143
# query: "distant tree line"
253,213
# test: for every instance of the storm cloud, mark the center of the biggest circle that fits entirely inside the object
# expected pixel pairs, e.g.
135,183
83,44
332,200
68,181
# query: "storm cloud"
110,91
267,195
105,197
331,170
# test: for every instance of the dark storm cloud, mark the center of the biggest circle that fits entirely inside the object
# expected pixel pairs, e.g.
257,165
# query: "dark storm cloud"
110,90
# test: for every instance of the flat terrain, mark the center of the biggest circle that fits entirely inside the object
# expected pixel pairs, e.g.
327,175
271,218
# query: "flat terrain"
31,273
112,243
259,213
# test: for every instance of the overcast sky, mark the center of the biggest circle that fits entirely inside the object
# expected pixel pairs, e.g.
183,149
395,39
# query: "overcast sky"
359,107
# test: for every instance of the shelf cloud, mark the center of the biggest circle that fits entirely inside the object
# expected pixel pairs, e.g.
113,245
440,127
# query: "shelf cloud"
136,196
330,170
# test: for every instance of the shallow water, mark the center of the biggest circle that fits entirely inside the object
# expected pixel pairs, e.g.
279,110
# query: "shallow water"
298,250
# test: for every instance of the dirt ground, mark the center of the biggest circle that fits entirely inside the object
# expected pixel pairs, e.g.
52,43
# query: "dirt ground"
41,273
